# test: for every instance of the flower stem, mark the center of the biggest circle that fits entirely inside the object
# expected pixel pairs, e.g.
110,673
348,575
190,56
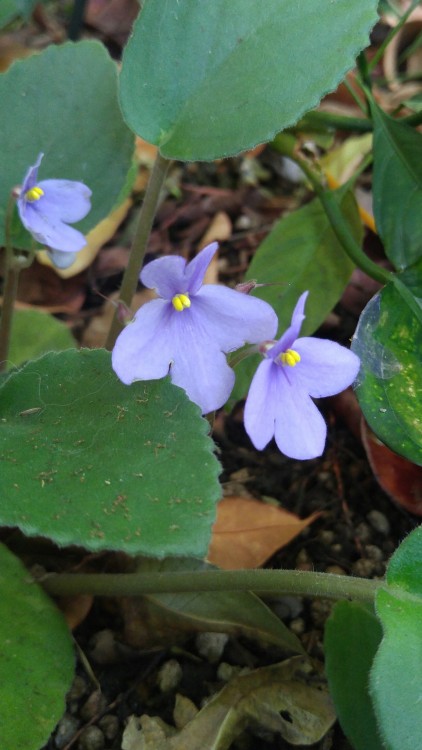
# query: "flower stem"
9,296
276,582
139,245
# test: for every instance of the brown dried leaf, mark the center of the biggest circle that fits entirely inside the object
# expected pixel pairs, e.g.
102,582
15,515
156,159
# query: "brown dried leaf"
247,532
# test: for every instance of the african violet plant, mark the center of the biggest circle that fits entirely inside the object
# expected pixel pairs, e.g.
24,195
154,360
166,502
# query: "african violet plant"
109,453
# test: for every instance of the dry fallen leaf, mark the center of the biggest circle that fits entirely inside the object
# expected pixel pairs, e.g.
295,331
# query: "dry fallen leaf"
247,532
96,238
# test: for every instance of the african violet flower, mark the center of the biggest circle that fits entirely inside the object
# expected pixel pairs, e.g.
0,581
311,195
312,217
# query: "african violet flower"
46,207
186,332
294,371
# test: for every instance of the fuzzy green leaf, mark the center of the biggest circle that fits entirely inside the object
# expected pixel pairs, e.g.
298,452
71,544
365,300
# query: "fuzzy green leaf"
87,460
36,659
396,678
352,636
35,333
207,79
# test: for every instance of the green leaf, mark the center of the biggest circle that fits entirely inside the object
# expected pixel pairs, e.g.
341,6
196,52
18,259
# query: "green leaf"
396,679
36,659
388,341
87,460
51,104
301,253
352,636
236,613
35,333
207,79
397,188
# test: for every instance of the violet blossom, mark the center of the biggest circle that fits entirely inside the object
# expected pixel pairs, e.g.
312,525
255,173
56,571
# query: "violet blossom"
189,329
45,209
294,371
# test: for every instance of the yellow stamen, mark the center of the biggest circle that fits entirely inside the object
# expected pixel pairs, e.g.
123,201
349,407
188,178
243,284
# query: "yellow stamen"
290,357
34,194
180,301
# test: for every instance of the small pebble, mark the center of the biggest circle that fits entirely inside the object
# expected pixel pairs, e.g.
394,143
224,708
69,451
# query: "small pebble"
363,532
379,522
374,553
320,611
102,647
78,690
326,536
297,626
226,672
91,738
364,568
211,645
95,704
109,726
66,729
169,675
287,607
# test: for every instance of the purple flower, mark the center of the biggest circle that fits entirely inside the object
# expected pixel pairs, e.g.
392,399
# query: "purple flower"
186,332
46,207
294,371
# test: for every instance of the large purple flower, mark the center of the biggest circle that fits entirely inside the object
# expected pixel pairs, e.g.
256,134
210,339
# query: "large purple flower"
186,332
294,371
46,207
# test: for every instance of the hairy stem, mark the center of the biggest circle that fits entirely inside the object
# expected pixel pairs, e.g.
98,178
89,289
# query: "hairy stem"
277,582
139,245
9,296
321,120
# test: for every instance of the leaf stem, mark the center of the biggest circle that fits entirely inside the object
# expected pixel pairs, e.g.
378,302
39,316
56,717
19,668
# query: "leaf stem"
276,582
321,120
341,228
139,245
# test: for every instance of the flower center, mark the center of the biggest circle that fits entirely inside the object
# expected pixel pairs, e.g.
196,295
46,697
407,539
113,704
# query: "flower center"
289,357
180,301
34,194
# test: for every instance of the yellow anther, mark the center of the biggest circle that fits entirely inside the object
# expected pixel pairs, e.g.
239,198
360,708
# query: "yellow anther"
34,194
290,358
180,301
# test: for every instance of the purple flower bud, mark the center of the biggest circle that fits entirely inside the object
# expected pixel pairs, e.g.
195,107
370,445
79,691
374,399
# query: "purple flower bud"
47,207
294,371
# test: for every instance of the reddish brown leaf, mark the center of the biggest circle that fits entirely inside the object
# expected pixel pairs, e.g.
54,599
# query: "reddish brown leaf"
400,479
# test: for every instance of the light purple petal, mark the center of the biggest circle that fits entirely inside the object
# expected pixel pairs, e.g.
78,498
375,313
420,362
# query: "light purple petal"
259,415
65,200
51,232
160,339
300,430
326,368
292,332
60,259
31,176
197,268
166,275
144,349
232,318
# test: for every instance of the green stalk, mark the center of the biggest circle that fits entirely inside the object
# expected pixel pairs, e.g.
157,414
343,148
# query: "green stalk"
9,297
139,245
341,228
276,582
321,120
